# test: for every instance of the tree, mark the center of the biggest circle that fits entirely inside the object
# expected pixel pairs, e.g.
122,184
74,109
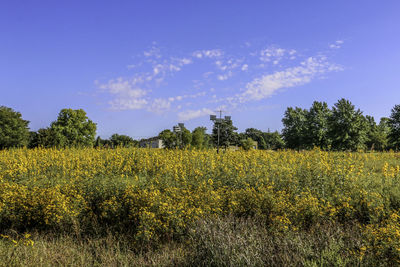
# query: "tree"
394,124
317,126
294,131
169,139
184,137
227,134
247,143
257,136
199,138
273,140
14,131
73,128
348,127
44,137
377,135
122,140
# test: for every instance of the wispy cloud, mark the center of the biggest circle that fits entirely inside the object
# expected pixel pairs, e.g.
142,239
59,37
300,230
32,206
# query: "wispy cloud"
192,114
266,85
217,78
276,54
213,53
337,44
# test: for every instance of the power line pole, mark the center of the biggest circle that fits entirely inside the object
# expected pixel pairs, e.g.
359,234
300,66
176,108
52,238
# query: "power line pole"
218,121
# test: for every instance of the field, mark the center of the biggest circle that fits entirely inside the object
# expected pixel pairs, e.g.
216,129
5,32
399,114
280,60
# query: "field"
186,207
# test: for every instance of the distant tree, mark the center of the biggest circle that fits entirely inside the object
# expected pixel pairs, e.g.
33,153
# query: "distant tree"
199,138
184,137
294,127
317,126
227,134
257,136
394,124
169,139
33,139
73,128
122,140
377,135
348,127
14,131
98,142
247,143
273,140
45,137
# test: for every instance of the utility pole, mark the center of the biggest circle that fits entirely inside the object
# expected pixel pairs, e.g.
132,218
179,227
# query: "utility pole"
218,121
179,131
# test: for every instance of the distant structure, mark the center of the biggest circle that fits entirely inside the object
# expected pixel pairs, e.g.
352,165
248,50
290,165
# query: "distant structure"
255,145
153,142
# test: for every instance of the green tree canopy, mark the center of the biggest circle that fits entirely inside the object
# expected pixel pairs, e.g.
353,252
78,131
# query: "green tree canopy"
348,127
394,124
317,126
14,131
227,134
73,128
377,135
184,137
273,140
199,138
247,143
256,135
122,140
294,128
169,139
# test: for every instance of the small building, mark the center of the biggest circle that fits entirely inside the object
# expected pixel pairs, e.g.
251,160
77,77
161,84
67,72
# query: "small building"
254,145
153,142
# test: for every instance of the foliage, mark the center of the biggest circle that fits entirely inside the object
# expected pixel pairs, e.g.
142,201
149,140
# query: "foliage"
247,143
170,140
348,127
155,196
257,136
199,138
184,137
294,131
377,135
122,140
71,129
394,124
14,131
227,134
317,127
273,140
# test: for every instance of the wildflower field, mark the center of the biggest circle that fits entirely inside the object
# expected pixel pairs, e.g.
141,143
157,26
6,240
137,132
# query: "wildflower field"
201,208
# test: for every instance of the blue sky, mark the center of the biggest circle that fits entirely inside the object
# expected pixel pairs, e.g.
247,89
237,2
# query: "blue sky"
138,67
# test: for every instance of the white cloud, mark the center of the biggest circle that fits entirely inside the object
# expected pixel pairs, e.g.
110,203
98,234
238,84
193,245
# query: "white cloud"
154,75
276,55
154,51
226,76
128,103
272,54
127,93
337,44
160,105
213,53
267,85
192,114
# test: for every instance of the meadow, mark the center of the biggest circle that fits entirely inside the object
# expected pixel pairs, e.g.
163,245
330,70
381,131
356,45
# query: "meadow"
145,207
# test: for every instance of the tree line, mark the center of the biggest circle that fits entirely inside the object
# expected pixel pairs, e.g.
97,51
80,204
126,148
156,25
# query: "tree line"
342,127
